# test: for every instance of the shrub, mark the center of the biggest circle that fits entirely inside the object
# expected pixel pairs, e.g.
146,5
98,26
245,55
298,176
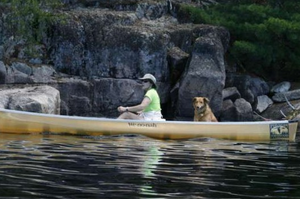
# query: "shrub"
30,20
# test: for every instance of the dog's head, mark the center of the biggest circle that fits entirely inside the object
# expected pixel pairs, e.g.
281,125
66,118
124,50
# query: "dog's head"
200,103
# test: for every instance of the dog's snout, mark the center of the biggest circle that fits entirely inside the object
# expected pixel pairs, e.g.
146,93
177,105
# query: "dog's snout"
198,107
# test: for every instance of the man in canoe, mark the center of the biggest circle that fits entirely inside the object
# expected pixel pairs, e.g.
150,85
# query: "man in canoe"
149,108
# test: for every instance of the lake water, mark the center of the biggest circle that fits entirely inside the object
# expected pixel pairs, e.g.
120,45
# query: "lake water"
53,166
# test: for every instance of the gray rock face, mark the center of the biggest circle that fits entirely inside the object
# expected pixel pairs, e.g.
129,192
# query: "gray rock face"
103,43
43,74
2,72
111,92
72,89
100,43
21,73
95,58
21,67
177,60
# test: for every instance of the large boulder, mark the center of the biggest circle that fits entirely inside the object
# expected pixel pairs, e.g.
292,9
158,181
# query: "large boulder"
40,99
205,75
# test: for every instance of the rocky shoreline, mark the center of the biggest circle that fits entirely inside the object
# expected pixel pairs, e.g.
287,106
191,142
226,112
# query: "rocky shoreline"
94,60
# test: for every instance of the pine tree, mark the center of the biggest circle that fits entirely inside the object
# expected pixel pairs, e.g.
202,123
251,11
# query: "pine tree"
265,35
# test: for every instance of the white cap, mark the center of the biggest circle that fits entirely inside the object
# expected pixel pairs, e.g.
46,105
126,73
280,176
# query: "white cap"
151,77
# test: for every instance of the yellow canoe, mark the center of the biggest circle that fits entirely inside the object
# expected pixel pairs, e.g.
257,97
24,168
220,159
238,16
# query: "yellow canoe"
12,121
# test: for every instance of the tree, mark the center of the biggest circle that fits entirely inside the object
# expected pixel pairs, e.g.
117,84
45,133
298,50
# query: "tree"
265,35
30,20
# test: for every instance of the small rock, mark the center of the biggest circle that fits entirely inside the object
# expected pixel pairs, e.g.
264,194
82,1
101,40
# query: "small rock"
263,102
281,87
231,93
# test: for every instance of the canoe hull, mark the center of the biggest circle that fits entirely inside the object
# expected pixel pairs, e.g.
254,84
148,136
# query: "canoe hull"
25,122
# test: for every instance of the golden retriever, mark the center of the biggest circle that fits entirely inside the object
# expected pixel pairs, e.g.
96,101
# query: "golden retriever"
202,110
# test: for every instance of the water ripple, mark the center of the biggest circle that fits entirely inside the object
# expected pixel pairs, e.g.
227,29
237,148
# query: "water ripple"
139,167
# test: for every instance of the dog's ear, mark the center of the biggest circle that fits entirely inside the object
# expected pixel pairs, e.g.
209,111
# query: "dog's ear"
194,99
206,99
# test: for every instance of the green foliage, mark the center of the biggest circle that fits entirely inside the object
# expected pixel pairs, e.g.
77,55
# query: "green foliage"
265,36
30,20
